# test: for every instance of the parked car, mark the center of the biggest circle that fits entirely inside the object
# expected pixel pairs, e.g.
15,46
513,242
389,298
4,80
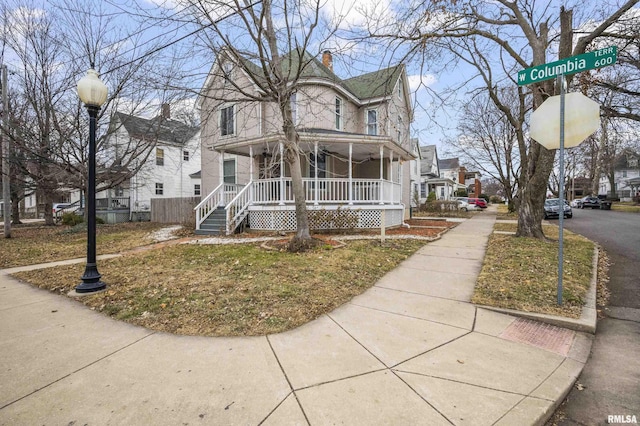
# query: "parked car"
589,201
464,205
59,207
576,203
552,209
480,202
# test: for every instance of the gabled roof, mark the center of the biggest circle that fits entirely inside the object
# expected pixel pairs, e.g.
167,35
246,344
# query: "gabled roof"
449,164
158,128
428,153
375,84
372,85
625,160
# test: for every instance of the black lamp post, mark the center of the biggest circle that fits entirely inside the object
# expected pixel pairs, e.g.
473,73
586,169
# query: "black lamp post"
93,93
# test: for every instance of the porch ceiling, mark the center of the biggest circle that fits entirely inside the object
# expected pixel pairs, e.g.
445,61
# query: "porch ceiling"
364,146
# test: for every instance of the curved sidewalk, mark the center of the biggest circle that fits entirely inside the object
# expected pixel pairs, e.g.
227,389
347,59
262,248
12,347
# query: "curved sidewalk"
411,350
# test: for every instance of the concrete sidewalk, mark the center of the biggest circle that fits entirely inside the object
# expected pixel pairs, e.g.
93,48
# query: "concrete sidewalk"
411,350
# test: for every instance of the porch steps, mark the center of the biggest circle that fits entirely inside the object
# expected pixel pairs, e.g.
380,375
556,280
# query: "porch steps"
215,224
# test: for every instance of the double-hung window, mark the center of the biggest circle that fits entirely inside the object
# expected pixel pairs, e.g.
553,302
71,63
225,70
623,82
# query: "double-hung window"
159,189
320,162
159,157
339,113
196,189
227,121
400,124
185,155
229,171
372,122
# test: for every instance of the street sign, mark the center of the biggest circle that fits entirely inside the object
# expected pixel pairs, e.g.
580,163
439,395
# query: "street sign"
574,64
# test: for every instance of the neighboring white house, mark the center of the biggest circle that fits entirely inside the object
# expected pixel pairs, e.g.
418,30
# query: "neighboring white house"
626,176
469,181
431,178
170,158
354,141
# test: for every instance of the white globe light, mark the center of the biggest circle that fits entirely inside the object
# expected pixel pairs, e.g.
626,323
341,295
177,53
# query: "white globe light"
91,90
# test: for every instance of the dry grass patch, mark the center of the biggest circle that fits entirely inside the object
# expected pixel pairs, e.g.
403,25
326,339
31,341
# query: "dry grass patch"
503,213
522,273
230,290
625,207
31,245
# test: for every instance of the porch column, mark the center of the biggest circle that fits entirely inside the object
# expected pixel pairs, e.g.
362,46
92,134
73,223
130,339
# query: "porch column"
350,173
251,172
250,162
401,178
391,175
221,166
315,175
381,175
282,174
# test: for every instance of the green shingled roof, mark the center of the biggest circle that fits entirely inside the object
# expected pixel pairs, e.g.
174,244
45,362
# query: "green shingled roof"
367,86
374,84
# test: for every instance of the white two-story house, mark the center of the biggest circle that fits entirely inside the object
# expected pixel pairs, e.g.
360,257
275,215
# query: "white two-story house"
354,146
626,177
168,165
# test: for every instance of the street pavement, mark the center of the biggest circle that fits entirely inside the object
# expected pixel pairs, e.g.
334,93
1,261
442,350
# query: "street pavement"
412,350
609,390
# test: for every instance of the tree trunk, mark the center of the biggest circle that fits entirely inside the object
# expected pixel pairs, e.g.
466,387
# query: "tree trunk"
302,240
540,161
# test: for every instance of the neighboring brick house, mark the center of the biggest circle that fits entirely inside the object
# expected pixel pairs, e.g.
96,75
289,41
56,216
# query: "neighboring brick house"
354,142
626,177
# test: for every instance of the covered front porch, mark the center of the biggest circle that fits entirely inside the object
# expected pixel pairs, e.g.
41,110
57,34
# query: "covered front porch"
351,181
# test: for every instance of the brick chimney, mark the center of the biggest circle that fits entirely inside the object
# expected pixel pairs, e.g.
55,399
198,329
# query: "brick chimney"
327,59
166,111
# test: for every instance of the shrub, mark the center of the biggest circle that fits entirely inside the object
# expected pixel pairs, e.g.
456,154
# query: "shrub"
485,196
431,196
71,219
461,193
441,206
495,199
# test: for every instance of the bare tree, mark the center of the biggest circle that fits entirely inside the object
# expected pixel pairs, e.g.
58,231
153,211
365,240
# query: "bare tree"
50,49
268,42
497,39
487,140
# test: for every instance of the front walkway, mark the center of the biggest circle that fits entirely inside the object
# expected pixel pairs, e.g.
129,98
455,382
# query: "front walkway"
411,350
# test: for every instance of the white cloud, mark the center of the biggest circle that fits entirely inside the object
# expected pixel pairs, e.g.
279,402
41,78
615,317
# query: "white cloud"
417,81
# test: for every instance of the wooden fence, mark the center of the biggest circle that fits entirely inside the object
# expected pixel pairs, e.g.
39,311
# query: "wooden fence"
174,210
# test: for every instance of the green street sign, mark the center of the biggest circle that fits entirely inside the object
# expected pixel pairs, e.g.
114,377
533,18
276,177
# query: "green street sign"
587,61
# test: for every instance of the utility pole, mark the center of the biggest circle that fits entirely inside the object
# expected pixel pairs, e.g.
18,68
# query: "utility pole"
6,189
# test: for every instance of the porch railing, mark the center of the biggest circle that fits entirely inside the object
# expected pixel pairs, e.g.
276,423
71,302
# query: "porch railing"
236,209
328,191
220,196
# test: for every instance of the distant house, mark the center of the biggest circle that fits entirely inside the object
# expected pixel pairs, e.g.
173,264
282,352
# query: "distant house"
468,181
355,148
626,177
167,159
429,178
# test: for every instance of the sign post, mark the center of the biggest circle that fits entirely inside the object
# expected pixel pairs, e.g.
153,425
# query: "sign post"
558,69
